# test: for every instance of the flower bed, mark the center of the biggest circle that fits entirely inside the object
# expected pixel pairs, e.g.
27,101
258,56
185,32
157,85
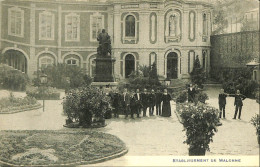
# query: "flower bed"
46,93
56,148
12,104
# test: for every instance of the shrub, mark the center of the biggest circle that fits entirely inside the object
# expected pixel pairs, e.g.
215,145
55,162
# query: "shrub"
59,74
256,122
257,95
237,78
182,97
12,79
202,96
84,103
198,75
200,123
46,93
145,78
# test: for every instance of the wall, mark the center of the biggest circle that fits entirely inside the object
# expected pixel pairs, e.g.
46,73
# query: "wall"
234,50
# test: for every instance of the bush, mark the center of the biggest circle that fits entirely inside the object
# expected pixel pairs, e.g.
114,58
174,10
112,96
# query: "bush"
46,93
200,123
84,103
12,79
202,96
233,79
182,97
12,103
59,74
256,122
145,78
198,75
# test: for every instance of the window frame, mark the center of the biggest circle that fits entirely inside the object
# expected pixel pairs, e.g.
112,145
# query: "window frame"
45,57
125,38
71,58
15,9
41,15
66,28
91,28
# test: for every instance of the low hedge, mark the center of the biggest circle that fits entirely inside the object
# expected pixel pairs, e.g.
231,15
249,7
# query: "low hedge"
46,93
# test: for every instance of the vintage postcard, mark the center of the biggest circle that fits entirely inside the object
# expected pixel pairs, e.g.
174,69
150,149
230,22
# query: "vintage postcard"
129,83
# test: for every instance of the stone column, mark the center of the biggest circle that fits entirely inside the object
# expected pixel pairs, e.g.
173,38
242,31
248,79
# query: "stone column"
59,34
144,25
117,27
160,28
185,27
1,24
32,63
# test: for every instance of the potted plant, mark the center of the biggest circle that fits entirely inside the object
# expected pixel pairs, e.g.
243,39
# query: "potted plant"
256,122
84,104
200,122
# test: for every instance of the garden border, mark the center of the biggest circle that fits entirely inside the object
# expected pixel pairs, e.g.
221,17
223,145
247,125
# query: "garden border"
31,107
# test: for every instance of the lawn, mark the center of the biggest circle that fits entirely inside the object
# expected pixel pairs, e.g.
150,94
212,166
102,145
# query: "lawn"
57,147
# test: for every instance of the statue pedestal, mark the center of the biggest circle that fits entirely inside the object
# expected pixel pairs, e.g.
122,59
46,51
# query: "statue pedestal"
104,69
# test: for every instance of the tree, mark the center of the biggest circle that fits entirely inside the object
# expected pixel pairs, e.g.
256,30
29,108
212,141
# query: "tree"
198,75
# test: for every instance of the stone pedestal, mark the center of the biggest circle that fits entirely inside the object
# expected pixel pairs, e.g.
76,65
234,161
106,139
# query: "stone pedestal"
104,69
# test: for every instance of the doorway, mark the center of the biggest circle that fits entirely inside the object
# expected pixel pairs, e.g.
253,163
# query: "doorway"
172,65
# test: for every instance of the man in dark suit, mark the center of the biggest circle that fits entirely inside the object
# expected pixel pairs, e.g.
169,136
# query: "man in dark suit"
158,101
145,101
138,102
222,102
191,93
116,103
151,102
238,103
126,102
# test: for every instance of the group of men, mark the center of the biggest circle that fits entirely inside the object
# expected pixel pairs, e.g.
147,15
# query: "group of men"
136,102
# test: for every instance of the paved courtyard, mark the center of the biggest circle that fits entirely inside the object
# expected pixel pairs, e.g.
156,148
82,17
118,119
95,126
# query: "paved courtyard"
152,136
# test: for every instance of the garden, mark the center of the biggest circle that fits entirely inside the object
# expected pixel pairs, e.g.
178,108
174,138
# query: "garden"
56,148
12,104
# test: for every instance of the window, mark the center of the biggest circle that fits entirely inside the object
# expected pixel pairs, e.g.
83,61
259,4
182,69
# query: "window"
15,22
96,25
205,26
45,62
72,27
130,26
72,62
46,26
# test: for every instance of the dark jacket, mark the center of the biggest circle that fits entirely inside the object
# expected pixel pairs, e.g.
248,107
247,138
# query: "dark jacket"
158,97
238,99
126,98
152,99
222,99
145,99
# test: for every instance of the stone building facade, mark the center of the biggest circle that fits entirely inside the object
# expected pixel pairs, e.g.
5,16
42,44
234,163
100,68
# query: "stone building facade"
35,34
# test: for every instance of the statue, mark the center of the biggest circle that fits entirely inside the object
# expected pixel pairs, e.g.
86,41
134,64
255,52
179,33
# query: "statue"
104,48
172,25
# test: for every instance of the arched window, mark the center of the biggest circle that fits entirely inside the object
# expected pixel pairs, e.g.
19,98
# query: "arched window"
45,62
129,65
72,62
130,26
205,31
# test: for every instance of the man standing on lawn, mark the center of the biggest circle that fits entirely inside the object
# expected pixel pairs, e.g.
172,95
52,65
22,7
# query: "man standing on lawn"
238,103
222,102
